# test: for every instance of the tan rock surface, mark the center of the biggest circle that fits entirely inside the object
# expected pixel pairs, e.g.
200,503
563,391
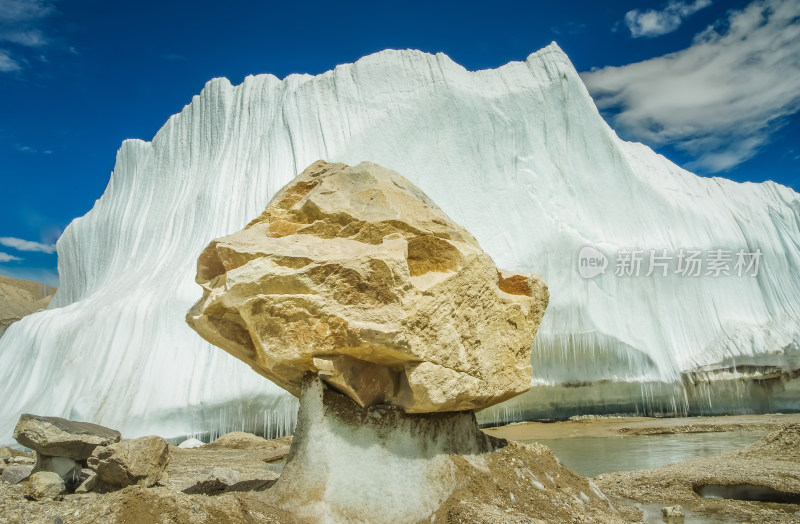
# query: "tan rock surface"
355,274
242,440
45,485
142,461
58,437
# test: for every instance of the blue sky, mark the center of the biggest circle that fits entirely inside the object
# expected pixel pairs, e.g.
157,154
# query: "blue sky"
712,85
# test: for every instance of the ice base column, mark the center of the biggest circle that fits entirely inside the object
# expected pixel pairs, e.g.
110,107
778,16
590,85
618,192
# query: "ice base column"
377,464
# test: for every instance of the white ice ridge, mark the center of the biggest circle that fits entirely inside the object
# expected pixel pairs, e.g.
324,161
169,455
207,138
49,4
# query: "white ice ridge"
518,155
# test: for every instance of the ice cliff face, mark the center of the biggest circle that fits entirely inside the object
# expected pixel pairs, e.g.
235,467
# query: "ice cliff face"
518,155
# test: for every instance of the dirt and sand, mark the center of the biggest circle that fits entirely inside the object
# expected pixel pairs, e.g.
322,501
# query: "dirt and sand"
522,486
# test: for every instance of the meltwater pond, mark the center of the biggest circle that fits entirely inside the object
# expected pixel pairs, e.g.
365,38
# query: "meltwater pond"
592,456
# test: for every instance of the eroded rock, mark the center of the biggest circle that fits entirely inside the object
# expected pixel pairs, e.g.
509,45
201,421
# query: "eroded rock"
353,273
58,437
142,461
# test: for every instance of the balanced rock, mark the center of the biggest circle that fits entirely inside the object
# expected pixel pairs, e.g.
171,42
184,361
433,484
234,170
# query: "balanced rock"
356,275
58,437
45,485
142,461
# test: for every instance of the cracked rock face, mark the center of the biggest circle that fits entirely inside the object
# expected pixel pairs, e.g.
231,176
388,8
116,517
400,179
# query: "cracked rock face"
354,274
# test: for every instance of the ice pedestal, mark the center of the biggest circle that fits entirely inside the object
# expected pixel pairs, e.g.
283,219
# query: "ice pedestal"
379,464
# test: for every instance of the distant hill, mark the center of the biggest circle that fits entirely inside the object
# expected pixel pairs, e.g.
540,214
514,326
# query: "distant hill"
19,298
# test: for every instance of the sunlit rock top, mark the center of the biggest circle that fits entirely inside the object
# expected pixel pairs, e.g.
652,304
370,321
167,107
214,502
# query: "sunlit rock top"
355,274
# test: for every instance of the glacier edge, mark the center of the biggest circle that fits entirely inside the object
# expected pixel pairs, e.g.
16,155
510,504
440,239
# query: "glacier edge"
519,155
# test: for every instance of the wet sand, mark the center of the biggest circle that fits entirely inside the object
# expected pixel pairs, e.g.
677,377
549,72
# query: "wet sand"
629,426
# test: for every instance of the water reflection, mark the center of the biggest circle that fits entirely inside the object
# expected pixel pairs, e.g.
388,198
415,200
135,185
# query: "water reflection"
592,456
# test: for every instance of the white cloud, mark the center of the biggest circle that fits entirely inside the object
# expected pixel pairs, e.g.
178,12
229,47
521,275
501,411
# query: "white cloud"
19,26
26,245
28,38
654,23
720,99
8,64
5,257
23,10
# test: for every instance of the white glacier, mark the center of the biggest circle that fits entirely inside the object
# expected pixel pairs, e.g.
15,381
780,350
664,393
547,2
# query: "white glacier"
518,155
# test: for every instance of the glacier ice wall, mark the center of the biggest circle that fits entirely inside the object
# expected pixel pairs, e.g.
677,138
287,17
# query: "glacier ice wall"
519,155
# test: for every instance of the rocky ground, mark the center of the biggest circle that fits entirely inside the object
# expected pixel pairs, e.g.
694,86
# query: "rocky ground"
185,496
518,483
768,469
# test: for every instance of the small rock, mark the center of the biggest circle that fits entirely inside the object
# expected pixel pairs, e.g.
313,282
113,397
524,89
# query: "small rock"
21,460
672,512
191,443
58,437
142,461
45,485
5,453
217,481
16,473
226,476
88,482
65,467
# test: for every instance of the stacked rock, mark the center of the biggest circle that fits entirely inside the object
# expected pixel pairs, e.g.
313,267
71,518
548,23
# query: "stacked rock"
62,448
75,456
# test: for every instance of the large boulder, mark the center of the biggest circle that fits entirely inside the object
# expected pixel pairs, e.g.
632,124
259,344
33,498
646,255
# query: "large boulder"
142,461
58,437
356,275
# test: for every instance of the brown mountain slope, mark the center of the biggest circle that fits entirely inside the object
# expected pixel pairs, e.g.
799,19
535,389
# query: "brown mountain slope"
19,298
